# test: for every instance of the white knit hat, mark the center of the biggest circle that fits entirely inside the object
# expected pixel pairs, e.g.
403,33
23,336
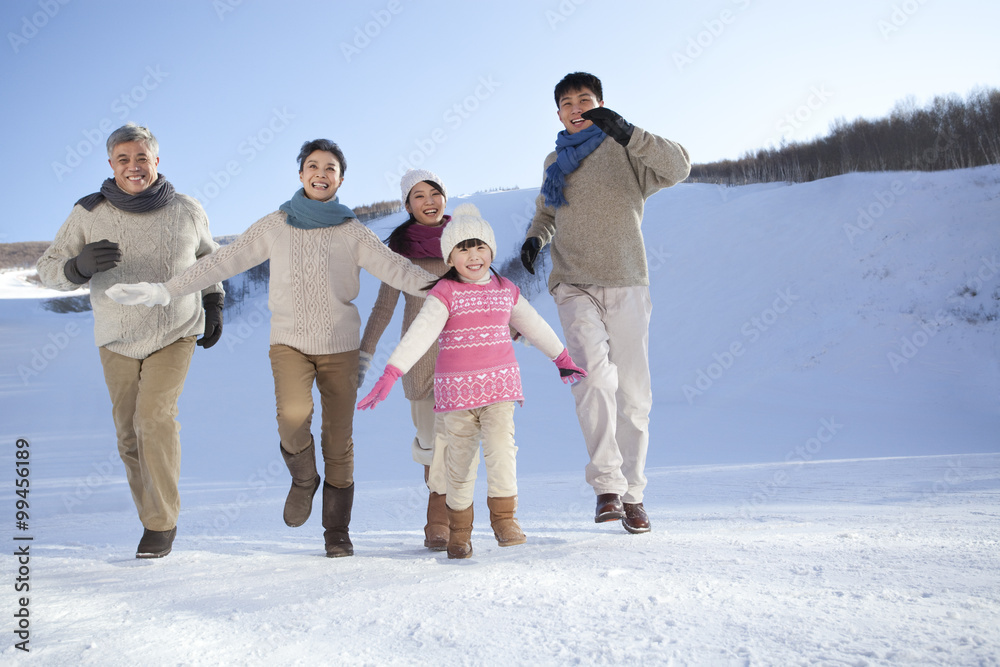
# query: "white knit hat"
414,176
466,223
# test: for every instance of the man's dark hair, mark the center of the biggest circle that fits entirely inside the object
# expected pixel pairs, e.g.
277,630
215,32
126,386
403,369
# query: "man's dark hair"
579,81
322,145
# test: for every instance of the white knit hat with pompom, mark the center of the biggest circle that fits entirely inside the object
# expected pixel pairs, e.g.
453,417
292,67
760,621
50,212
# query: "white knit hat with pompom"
466,223
414,176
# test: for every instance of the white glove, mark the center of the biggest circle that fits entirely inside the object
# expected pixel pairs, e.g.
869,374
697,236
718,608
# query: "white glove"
147,294
364,363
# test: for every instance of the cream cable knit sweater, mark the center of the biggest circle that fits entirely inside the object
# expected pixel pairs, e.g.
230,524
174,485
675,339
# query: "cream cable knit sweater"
155,246
315,276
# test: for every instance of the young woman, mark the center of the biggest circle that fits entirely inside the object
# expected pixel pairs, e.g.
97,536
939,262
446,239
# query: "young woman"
317,249
469,312
419,240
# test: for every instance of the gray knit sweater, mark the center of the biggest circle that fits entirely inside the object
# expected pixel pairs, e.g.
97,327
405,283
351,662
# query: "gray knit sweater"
314,278
596,238
155,246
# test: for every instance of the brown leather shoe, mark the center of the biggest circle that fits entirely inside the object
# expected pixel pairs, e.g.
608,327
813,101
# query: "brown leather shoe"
635,520
609,508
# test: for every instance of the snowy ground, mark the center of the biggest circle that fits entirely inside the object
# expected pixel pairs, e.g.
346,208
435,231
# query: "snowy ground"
818,502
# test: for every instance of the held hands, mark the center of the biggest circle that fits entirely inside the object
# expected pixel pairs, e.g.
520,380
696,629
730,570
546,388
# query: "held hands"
382,388
569,371
529,253
133,294
610,123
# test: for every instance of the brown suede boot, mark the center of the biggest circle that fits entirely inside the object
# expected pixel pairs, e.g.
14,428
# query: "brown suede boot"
337,505
436,531
305,482
460,537
505,527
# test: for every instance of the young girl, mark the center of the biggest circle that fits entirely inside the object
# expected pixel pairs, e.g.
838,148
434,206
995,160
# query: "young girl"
317,249
476,378
419,240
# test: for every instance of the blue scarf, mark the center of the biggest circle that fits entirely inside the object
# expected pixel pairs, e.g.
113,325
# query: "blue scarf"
570,151
306,213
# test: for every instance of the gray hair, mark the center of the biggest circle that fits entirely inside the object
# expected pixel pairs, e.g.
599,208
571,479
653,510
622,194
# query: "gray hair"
132,132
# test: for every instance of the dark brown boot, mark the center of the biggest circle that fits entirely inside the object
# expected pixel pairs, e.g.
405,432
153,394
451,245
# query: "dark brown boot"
337,505
305,482
436,531
505,527
460,537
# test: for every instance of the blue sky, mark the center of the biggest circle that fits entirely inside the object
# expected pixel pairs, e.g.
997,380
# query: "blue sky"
232,88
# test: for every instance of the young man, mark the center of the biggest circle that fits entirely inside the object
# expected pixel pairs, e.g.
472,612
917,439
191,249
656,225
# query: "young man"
590,212
136,228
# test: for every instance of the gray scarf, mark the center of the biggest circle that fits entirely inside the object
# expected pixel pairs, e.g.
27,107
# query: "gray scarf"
158,195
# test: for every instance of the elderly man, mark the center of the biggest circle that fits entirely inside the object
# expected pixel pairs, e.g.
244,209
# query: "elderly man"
137,228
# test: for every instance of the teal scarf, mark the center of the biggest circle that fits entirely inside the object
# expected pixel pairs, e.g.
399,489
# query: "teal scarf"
306,213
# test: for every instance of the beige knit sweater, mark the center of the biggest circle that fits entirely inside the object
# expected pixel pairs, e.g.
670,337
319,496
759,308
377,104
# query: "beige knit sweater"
418,383
315,277
596,238
155,246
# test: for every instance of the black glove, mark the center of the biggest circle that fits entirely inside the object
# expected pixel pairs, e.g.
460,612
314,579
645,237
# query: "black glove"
529,253
213,319
94,258
610,123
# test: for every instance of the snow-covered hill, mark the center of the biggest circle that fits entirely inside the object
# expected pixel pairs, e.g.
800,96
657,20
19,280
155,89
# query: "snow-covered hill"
824,471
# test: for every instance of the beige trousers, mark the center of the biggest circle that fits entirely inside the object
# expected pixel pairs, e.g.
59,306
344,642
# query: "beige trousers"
493,425
144,394
429,445
607,333
336,377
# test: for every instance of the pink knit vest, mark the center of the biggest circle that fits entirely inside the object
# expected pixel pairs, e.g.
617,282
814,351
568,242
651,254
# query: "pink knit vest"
476,365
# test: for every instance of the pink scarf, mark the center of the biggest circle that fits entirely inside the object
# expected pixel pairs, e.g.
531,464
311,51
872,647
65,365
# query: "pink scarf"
420,240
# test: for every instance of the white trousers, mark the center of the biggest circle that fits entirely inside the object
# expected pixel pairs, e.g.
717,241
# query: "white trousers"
607,333
429,445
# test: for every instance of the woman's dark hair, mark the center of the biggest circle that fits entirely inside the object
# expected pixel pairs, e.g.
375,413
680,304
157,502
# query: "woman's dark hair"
397,240
579,81
322,145
452,273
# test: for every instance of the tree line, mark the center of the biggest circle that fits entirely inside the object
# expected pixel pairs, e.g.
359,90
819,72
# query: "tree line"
947,133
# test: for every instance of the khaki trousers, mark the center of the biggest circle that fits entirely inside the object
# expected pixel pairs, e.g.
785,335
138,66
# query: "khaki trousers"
144,394
429,445
493,425
607,333
336,377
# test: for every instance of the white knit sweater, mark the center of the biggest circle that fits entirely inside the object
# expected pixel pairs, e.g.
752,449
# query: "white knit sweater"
155,246
315,276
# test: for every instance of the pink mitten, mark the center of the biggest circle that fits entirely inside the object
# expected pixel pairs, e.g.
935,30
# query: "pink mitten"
569,371
382,388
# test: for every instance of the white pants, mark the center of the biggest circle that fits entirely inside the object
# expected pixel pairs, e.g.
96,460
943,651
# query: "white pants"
493,425
607,333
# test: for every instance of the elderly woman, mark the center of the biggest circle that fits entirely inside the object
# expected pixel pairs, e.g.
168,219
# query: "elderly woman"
317,249
137,228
